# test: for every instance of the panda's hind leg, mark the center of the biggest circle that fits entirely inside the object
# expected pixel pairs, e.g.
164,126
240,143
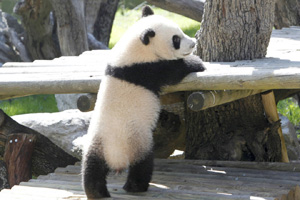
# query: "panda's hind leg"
140,174
94,173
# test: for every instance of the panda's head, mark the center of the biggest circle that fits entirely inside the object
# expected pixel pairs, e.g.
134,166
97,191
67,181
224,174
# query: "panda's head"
151,39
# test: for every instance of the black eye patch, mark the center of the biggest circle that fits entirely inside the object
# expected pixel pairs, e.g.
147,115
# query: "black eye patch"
176,41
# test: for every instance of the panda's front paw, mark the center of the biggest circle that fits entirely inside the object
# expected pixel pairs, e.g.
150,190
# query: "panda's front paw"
194,63
201,67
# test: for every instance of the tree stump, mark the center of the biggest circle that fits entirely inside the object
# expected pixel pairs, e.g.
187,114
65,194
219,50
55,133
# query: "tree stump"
234,30
233,131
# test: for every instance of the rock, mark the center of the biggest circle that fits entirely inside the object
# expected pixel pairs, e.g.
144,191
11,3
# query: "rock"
66,101
3,176
62,128
290,137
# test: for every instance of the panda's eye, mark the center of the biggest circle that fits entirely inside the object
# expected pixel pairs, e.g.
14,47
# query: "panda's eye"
176,41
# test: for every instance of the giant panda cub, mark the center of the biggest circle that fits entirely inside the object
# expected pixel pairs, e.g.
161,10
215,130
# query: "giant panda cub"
153,53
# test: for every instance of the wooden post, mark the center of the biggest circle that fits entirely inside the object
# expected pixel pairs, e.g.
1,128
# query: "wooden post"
270,107
17,156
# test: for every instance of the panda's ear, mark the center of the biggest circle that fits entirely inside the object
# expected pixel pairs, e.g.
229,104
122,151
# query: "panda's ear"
147,11
145,36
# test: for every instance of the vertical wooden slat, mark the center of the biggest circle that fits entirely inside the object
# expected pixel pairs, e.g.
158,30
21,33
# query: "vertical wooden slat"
270,107
17,156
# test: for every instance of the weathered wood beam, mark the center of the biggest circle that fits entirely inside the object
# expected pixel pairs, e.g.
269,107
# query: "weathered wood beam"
190,8
196,101
239,78
162,164
270,107
66,80
202,100
86,102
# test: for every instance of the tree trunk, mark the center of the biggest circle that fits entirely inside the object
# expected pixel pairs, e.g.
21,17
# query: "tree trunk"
287,13
233,131
37,19
190,8
71,29
91,8
104,21
233,30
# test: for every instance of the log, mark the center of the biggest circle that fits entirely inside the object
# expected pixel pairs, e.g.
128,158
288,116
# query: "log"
231,78
206,99
46,155
270,107
86,102
189,8
17,156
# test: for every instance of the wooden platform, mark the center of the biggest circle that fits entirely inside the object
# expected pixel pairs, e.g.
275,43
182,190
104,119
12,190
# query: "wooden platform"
82,74
174,179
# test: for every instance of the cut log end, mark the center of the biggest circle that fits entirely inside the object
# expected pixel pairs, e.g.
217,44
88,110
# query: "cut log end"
86,102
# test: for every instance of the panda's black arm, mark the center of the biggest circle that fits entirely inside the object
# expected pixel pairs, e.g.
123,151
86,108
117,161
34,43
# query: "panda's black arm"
154,75
176,70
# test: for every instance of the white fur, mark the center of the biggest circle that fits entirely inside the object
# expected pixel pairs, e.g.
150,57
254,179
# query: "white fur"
124,117
125,114
131,50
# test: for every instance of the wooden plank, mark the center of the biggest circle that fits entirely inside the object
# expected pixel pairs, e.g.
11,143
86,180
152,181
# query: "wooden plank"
23,192
292,167
270,107
215,78
17,156
173,179
280,70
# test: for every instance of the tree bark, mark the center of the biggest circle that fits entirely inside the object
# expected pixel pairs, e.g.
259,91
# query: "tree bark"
287,13
91,8
71,29
103,24
190,8
38,20
233,131
235,30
